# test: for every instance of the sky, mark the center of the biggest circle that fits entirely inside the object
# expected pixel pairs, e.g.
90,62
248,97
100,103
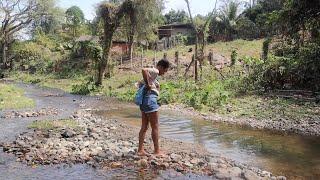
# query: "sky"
202,7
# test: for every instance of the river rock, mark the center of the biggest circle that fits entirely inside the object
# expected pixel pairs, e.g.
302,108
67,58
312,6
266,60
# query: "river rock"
249,175
231,173
142,163
281,178
175,157
68,133
116,165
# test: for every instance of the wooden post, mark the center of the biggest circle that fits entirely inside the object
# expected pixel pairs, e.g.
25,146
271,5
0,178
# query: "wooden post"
131,55
165,56
195,68
210,58
177,62
142,57
154,58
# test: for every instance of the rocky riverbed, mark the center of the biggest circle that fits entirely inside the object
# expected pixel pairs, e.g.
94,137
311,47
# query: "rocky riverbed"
310,127
33,113
108,144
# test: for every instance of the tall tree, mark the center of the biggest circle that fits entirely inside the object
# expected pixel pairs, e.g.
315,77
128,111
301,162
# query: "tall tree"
176,17
15,16
51,21
111,15
75,18
144,25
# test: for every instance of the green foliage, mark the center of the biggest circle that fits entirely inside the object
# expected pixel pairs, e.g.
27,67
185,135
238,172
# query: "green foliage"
176,17
265,48
51,21
33,57
222,26
246,29
260,15
234,57
45,41
54,124
75,18
297,17
85,87
169,92
12,97
211,93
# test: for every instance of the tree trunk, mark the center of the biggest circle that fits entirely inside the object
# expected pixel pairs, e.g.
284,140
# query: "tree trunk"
131,53
104,62
196,70
196,59
4,54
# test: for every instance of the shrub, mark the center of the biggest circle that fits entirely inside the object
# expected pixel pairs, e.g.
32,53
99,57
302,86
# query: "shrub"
84,88
33,57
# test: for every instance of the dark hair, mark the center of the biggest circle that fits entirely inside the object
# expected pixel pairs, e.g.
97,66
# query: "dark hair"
163,63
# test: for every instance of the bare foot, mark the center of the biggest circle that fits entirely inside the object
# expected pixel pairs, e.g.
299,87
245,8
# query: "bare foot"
142,153
159,154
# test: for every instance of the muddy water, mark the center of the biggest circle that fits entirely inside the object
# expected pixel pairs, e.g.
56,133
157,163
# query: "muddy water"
294,156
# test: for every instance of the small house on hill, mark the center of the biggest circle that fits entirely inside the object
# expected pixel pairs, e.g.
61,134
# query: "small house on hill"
121,47
170,35
171,30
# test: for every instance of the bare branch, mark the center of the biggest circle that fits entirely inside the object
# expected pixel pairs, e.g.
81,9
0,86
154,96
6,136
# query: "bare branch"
190,15
210,16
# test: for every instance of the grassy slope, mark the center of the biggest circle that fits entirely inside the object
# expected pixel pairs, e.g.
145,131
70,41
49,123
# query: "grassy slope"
243,47
12,97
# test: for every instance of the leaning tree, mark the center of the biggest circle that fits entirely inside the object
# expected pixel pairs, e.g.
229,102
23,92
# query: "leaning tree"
111,14
15,15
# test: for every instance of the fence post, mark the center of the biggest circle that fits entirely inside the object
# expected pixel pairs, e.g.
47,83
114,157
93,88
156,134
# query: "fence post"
210,58
177,62
165,56
142,57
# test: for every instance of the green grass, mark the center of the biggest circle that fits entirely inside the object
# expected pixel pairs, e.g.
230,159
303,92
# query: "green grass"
53,124
261,107
12,97
121,86
49,81
243,47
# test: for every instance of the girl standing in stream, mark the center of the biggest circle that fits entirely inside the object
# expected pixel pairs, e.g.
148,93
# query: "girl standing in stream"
149,106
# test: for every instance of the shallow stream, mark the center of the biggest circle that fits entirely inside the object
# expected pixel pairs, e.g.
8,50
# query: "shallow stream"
297,157
294,156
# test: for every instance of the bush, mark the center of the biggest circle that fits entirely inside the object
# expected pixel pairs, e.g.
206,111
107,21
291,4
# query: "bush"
84,88
33,57
294,67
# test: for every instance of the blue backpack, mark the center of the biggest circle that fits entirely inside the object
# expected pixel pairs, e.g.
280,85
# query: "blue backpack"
139,96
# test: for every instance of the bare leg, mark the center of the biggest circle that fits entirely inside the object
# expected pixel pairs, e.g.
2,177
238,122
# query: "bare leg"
142,133
154,122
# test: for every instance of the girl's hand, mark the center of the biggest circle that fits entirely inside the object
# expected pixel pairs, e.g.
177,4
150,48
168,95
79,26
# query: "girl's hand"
149,87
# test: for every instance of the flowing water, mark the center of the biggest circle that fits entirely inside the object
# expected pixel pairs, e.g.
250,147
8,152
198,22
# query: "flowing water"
297,157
